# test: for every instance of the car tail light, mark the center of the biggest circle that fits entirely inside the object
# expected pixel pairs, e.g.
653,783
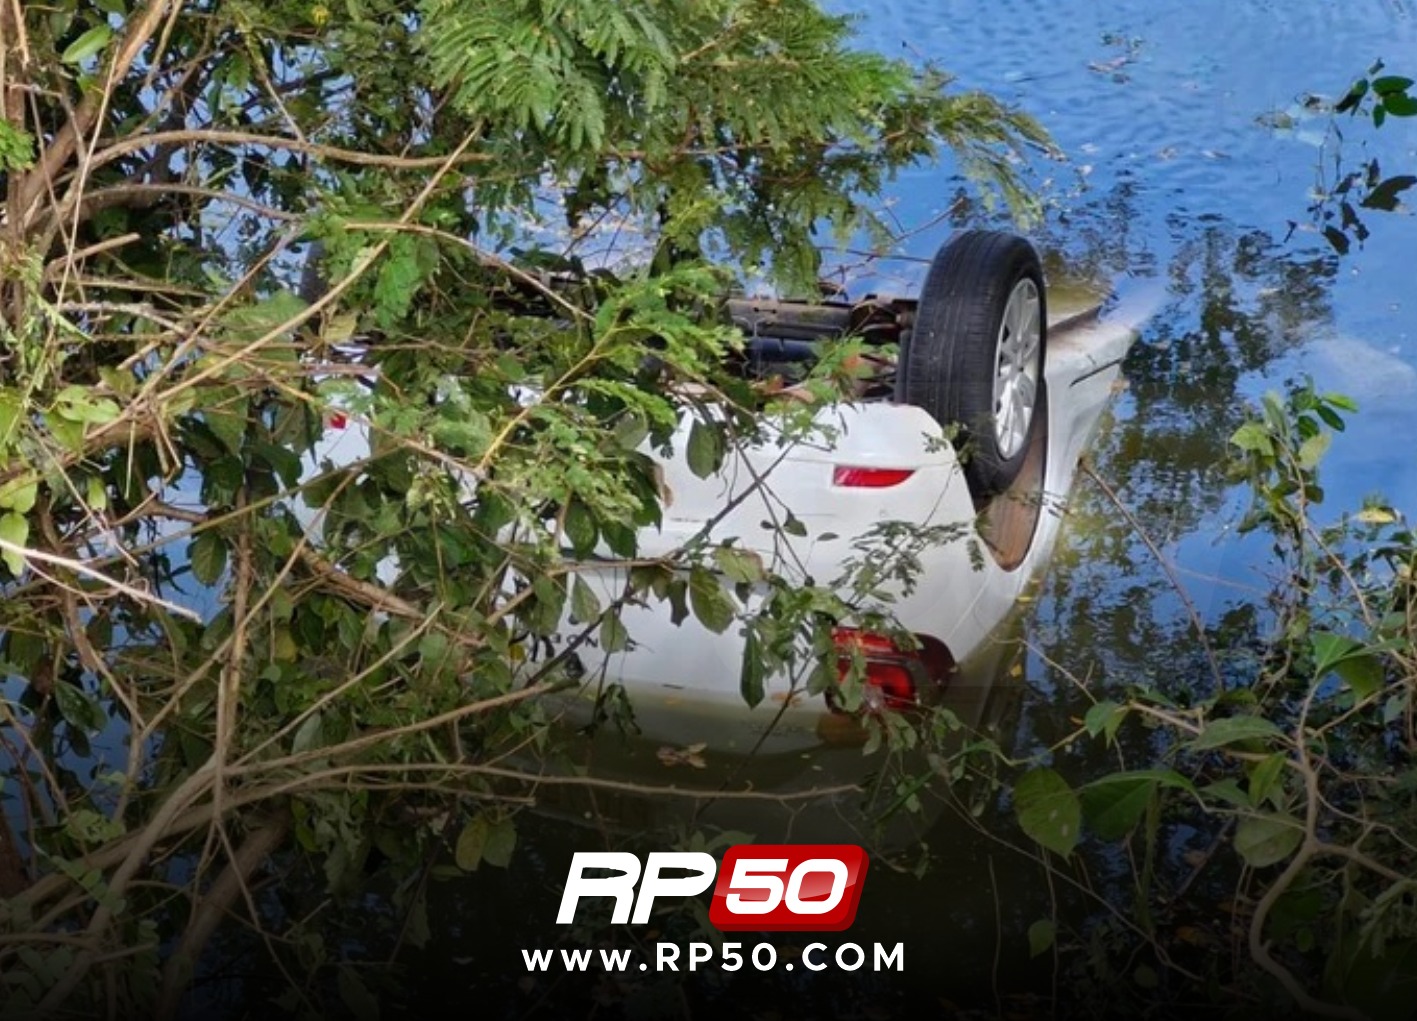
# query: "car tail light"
869,478
338,420
895,677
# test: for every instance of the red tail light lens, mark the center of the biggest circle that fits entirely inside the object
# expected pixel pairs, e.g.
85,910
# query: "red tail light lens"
894,675
869,478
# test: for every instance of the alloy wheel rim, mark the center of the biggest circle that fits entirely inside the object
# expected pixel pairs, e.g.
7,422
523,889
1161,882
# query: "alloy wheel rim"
1017,367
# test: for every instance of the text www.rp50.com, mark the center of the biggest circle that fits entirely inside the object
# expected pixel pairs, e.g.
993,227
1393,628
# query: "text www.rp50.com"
730,957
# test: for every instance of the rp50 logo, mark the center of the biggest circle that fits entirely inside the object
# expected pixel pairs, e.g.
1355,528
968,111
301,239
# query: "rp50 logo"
761,887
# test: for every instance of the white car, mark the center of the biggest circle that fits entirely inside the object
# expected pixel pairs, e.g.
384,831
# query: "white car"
1022,380
981,348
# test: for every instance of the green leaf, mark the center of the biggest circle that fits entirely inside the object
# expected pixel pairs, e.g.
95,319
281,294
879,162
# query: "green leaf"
11,407
1113,805
630,431
705,448
613,636
69,433
1388,84
88,44
95,493
1264,775
1048,810
77,404
710,603
1354,97
1254,437
355,994
208,557
1226,790
1264,840
19,494
1104,717
741,566
79,708
501,842
676,592
585,604
472,843
1399,105
1312,450
14,530
283,462
750,677
228,421
1363,674
1041,935
1352,660
310,734
1232,729
581,530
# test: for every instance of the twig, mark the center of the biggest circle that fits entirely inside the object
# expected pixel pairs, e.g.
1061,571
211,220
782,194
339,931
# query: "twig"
1196,623
79,567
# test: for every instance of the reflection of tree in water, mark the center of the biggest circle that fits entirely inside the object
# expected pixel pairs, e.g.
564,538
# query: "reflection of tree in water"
1235,301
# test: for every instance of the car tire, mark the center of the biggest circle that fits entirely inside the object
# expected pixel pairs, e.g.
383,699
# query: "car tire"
975,354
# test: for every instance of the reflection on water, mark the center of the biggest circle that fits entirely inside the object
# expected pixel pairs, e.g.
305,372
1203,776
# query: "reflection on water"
1181,177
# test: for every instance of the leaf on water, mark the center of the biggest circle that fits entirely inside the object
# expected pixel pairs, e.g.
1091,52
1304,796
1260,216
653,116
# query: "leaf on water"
1048,810
689,755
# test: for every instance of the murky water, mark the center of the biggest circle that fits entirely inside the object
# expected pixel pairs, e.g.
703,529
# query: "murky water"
1191,156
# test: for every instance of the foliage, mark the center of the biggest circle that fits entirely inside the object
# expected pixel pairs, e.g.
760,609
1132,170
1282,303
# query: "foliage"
1300,774
233,229
1336,211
